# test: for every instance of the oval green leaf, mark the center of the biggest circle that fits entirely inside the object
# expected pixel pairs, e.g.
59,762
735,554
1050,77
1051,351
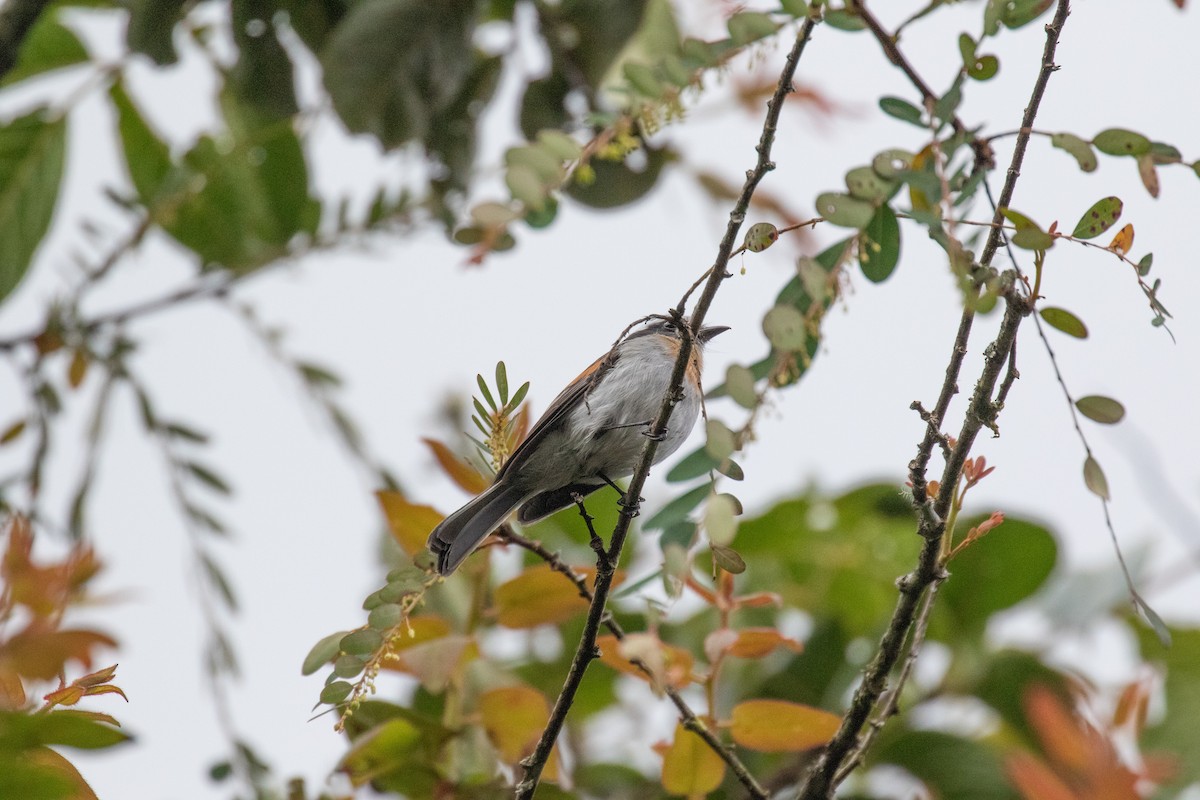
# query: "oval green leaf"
844,210
1099,408
901,110
891,163
31,167
983,68
1079,148
865,183
1121,142
1100,217
1094,478
879,247
785,328
1065,321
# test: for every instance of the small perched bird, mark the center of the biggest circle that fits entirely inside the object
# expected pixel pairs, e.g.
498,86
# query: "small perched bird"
591,434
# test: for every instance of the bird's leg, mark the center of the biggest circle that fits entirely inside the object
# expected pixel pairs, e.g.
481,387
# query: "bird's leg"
596,542
624,501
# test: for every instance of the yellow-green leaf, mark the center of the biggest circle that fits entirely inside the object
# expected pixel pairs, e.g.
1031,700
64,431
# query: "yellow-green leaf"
1065,321
1099,408
1093,477
1099,218
777,726
690,767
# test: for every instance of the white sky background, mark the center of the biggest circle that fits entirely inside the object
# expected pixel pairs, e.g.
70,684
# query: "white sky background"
407,324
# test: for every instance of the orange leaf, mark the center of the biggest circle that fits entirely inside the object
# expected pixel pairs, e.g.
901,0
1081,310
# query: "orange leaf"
759,642
107,688
1059,730
1034,780
776,726
98,677
409,523
514,717
42,654
690,767
520,428
1122,243
541,596
670,665
461,472
12,691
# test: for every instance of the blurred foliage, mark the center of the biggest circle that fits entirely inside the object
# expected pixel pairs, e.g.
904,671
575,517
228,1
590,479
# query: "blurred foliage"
765,622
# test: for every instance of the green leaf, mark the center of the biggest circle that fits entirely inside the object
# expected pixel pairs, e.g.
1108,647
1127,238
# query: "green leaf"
834,557
32,151
1079,148
879,249
728,559
618,184
391,66
1029,235
146,155
844,20
844,210
721,441
1017,13
693,465
996,572
336,692
865,183
1121,142
208,477
952,767
152,27
892,163
678,509
361,643
1065,321
64,727
1093,478
1099,408
48,46
739,383
785,328
1176,731
750,26
322,653
261,78
984,68
902,110
1100,217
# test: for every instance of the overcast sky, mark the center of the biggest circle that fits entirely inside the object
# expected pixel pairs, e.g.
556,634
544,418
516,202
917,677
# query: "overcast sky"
407,323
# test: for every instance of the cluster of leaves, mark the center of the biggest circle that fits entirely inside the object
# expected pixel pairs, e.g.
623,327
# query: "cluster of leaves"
36,649
467,713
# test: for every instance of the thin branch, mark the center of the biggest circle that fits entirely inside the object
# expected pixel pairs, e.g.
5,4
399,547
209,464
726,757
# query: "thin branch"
586,650
690,719
823,777
890,703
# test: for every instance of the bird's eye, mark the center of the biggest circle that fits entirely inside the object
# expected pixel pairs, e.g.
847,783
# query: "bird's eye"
668,327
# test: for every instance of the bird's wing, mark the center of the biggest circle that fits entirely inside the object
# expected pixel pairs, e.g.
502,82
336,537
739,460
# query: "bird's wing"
561,406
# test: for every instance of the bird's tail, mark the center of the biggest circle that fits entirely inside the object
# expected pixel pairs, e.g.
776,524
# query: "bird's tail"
458,534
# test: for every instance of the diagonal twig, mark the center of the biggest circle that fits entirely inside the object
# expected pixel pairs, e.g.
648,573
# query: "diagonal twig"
822,778
586,650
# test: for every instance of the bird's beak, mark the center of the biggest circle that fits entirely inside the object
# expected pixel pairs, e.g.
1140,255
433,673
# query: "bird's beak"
710,331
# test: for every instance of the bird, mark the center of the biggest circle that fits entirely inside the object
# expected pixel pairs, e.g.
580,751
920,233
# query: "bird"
591,434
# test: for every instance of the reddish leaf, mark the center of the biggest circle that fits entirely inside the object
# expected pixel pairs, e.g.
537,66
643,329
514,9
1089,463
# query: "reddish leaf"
760,642
690,767
462,473
776,726
1034,780
1062,735
409,523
